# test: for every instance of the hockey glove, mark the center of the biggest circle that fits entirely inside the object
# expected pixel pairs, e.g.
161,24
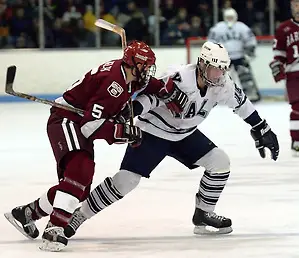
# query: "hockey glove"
124,115
125,133
278,71
265,138
173,97
250,51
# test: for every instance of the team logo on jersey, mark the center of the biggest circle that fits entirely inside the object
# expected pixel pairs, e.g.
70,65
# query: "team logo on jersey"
115,89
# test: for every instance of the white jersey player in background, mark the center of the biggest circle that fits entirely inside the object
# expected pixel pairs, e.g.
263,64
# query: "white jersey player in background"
176,135
240,43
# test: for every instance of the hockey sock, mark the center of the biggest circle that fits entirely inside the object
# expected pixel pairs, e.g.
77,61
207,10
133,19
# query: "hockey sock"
210,189
78,174
41,207
101,197
294,122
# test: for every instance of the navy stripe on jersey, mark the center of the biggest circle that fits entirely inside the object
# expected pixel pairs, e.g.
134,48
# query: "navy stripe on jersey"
182,131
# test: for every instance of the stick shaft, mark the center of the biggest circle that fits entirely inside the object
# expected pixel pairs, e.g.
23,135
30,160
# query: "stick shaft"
122,33
10,77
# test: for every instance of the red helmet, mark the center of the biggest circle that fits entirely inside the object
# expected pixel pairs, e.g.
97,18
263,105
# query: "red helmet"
137,52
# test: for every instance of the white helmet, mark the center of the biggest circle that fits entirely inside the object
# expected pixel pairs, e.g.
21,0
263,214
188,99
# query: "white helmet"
213,63
230,16
215,54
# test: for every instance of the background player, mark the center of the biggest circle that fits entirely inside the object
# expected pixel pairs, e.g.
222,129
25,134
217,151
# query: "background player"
240,43
177,136
286,66
102,93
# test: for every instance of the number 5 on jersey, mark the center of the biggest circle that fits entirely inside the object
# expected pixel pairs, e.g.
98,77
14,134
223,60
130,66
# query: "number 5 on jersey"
97,111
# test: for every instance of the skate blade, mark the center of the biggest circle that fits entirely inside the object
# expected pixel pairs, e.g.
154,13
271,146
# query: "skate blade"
14,222
49,246
205,230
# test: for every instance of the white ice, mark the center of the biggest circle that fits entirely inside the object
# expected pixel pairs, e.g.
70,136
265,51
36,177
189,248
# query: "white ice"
261,197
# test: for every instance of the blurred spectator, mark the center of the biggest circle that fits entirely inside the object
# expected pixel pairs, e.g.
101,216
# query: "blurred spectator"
89,28
71,14
58,33
196,28
89,19
70,23
21,27
136,26
172,36
109,38
152,25
182,23
5,16
204,11
248,15
107,16
169,10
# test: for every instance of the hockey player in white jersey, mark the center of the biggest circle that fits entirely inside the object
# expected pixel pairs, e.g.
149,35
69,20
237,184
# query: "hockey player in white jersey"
169,134
240,43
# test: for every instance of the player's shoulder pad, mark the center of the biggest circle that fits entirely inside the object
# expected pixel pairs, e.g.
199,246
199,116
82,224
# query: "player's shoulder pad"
229,83
242,25
187,77
220,24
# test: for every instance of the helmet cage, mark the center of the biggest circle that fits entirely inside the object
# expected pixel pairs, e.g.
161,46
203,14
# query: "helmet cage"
144,74
212,76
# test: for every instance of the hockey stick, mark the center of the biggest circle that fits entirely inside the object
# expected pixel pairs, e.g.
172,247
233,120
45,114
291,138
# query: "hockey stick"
122,33
10,77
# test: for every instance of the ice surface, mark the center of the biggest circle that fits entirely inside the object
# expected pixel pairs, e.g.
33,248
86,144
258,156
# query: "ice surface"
261,197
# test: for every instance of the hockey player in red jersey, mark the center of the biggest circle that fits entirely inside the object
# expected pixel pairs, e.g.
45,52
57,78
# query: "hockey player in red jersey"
102,92
286,66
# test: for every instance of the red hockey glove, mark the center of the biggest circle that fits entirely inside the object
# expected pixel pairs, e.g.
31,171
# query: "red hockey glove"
125,133
173,97
277,70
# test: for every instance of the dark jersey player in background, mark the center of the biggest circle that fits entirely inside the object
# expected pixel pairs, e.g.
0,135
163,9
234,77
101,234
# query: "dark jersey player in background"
286,66
103,92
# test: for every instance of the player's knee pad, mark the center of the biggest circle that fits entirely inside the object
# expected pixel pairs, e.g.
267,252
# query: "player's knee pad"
125,181
79,170
216,161
245,75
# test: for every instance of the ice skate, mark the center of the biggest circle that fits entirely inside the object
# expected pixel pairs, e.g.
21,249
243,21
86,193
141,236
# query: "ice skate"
210,223
21,218
295,148
53,238
76,221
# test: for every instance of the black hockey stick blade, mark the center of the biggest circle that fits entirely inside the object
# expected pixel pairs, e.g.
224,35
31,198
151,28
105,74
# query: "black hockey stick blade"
10,77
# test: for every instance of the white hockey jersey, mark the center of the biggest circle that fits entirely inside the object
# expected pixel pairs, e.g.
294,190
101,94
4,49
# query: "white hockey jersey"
158,120
235,39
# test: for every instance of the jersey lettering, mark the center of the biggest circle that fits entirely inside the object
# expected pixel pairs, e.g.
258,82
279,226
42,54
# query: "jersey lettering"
191,110
106,67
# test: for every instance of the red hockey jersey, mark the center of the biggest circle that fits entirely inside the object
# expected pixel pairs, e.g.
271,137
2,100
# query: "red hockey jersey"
286,46
102,93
